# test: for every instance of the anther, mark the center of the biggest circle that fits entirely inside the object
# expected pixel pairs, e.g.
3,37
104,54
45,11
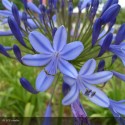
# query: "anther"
48,73
93,93
87,92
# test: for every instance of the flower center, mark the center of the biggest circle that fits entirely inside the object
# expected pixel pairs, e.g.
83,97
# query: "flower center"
86,91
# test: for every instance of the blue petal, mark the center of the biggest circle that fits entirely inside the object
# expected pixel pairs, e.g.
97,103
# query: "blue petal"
3,51
60,38
72,50
7,4
54,18
71,96
31,24
4,21
6,33
79,113
119,50
85,3
78,110
88,68
36,60
98,78
99,98
7,48
119,75
5,13
119,106
33,7
52,66
67,69
69,80
26,85
117,116
43,81
40,43
48,111
47,116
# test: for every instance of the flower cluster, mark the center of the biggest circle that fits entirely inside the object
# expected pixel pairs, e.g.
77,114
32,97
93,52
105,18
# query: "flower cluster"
70,43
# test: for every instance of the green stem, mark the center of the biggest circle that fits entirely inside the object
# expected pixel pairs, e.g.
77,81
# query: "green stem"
77,24
54,88
69,27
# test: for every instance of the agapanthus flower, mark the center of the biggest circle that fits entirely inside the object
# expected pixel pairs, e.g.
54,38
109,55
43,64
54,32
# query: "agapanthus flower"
118,109
54,58
83,81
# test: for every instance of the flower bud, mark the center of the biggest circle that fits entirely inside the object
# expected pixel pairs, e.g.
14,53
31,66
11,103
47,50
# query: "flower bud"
106,43
15,30
96,31
16,14
110,14
120,35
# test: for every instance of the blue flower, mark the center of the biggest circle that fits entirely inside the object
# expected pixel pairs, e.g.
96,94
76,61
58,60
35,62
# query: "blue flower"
53,58
119,50
83,81
79,113
119,75
118,109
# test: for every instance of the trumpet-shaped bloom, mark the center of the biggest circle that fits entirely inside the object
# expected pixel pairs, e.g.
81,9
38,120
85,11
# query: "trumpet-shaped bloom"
54,57
79,112
83,81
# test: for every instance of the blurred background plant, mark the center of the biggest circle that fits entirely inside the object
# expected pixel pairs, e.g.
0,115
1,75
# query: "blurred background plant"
17,102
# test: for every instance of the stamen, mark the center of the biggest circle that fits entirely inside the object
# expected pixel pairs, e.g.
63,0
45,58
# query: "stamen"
93,93
87,92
